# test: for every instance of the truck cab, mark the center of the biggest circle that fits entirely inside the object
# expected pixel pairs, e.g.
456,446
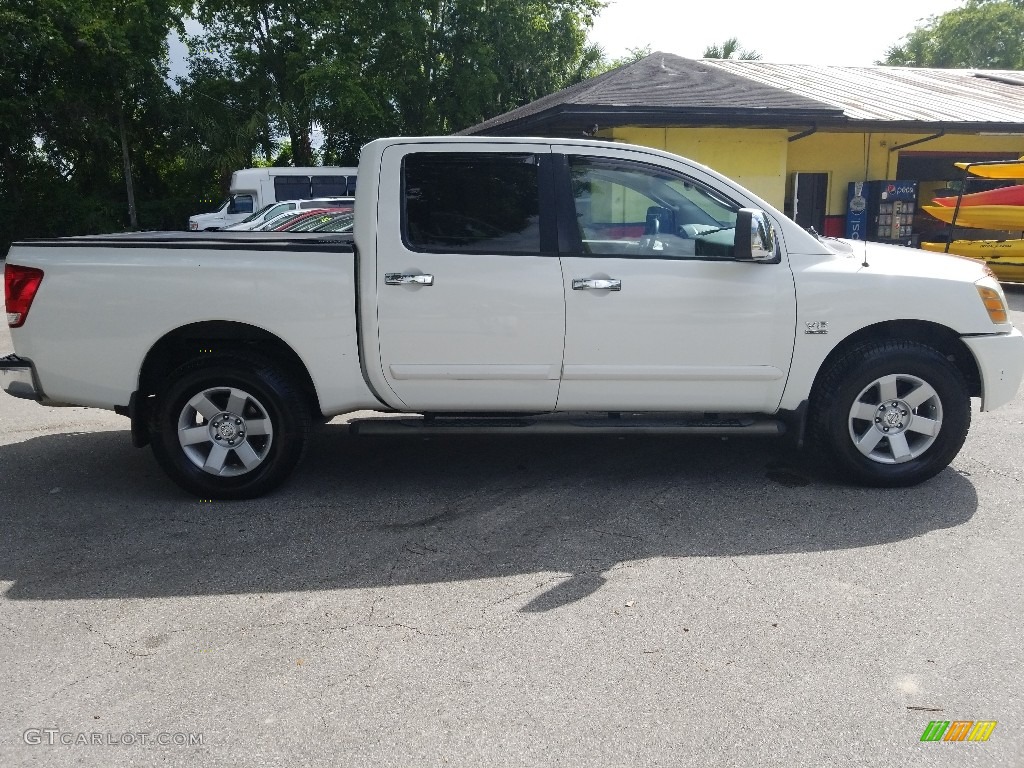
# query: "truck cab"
232,211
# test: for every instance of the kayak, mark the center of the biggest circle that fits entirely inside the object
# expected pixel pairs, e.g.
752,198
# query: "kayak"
1006,196
1008,170
1010,217
981,249
1004,257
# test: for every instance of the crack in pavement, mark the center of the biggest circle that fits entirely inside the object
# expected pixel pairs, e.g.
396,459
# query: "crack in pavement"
732,561
73,683
112,646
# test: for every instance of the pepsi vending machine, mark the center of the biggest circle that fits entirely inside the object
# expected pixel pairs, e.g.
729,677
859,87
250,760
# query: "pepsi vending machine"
881,211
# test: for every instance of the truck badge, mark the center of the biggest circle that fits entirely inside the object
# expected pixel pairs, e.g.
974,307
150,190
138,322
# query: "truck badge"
816,328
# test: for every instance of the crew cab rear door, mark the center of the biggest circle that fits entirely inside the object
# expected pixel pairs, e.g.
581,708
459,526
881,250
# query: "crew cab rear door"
470,309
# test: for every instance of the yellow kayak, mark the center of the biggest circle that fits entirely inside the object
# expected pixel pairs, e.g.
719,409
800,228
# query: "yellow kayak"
1007,171
1003,196
1004,257
981,216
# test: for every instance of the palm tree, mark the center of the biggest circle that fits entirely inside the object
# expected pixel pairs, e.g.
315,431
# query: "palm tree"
730,49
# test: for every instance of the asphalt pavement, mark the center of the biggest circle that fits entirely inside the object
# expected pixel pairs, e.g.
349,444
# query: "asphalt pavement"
471,601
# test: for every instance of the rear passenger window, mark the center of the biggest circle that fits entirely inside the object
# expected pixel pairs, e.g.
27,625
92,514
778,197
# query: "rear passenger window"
292,188
471,202
330,186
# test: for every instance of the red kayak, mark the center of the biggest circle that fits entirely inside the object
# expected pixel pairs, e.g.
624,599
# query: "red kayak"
1005,196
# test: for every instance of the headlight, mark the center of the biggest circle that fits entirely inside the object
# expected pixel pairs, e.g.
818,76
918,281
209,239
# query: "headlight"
993,301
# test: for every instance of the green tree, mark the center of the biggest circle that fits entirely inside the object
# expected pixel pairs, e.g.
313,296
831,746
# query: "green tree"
591,62
604,64
81,96
222,125
94,139
730,49
437,66
984,34
268,50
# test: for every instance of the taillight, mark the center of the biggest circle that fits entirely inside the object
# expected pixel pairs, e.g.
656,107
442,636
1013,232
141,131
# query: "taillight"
20,286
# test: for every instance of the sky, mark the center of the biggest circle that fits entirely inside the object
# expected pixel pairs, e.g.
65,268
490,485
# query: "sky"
850,32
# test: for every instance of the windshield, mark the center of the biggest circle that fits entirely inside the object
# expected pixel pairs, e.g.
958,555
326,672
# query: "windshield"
277,221
705,198
341,223
258,213
311,220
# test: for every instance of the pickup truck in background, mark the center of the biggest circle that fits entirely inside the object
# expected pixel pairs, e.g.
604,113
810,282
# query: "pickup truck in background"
515,285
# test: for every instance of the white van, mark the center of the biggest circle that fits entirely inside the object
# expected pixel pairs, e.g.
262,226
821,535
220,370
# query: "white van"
254,188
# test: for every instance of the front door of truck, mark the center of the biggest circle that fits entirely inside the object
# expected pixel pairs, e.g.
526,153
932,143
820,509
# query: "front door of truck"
659,317
471,313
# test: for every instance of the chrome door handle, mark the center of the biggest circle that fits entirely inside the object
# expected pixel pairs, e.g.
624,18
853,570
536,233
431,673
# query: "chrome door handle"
597,284
397,278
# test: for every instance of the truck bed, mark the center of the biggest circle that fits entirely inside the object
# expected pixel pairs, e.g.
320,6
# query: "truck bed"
107,300
265,241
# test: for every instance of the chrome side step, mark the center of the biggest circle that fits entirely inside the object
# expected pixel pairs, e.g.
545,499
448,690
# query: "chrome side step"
574,423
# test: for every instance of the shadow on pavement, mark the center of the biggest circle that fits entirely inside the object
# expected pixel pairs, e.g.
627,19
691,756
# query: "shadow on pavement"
87,516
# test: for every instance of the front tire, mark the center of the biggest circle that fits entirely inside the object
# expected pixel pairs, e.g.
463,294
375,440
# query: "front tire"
890,414
230,427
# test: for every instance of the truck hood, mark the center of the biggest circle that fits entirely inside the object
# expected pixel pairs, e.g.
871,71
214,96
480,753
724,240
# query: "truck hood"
898,260
201,217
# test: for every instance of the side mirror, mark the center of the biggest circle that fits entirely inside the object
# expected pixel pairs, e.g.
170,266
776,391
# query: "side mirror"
660,221
755,236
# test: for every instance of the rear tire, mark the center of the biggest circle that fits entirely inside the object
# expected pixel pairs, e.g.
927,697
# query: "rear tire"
230,427
890,414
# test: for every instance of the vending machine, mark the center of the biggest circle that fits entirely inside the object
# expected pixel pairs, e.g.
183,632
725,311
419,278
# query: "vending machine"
881,211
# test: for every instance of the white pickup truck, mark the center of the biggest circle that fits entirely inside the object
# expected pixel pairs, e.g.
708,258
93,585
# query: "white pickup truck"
515,285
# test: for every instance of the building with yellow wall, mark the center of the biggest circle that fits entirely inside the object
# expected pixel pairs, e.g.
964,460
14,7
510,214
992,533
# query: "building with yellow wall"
770,125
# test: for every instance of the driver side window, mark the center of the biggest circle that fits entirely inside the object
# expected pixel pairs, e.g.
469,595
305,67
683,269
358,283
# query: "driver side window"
631,209
240,204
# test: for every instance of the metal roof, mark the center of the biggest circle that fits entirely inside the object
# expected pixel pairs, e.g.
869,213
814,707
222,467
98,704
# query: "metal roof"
658,88
897,93
665,90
